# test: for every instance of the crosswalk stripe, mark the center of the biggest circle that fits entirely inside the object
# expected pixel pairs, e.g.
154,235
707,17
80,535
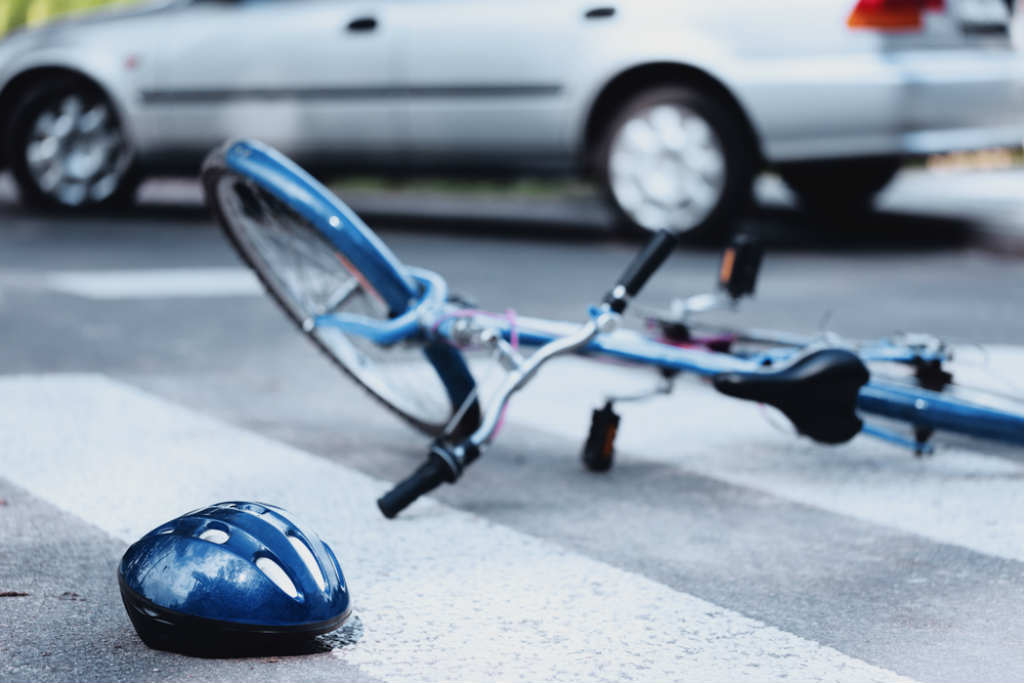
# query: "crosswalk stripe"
155,283
963,497
439,590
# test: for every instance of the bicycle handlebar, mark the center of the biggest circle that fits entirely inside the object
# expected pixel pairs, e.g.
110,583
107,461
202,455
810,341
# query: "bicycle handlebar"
641,268
444,464
428,477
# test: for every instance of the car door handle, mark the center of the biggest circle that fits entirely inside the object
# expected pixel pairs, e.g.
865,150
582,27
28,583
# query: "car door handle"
599,13
362,25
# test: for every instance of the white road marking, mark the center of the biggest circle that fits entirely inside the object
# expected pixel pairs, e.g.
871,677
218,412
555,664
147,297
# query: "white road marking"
968,498
155,283
441,593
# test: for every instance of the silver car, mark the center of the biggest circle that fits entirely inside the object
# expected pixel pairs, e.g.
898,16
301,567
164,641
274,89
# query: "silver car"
673,106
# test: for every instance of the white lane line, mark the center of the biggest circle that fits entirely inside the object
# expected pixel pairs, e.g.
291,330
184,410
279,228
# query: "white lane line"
156,283
442,593
968,498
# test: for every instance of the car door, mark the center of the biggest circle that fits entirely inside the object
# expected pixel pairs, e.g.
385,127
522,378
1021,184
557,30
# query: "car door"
486,81
303,75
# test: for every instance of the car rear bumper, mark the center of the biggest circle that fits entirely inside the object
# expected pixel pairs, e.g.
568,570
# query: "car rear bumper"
904,103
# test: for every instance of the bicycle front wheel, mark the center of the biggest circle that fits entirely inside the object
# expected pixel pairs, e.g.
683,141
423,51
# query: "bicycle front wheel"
317,258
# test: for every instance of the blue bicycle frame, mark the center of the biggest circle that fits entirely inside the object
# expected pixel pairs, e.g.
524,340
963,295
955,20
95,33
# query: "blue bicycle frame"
917,406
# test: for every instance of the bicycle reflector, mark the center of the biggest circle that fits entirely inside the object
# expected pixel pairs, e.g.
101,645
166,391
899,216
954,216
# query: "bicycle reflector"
741,262
892,15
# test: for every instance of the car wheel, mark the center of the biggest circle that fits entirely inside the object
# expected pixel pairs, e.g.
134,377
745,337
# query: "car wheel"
67,148
677,158
840,185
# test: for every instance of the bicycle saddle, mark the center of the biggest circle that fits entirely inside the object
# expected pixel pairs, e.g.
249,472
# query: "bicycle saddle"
818,392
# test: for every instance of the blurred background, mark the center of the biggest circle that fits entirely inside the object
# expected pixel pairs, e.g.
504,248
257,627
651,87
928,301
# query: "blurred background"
852,136
669,112
18,13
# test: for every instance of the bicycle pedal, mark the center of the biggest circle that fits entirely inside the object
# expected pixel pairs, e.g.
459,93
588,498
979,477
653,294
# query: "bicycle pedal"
599,450
741,262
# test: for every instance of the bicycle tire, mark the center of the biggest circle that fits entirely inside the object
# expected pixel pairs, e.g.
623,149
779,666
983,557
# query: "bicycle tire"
290,201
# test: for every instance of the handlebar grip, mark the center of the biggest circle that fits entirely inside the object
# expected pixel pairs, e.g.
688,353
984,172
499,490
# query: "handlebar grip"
428,477
643,266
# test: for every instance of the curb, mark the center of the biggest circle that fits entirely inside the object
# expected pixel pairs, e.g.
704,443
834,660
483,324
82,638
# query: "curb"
984,208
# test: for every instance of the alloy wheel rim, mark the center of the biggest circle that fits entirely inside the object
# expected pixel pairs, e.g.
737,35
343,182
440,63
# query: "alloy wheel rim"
667,168
76,152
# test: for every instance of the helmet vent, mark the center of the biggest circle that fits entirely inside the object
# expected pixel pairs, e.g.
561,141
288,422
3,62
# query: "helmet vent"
307,558
217,536
276,574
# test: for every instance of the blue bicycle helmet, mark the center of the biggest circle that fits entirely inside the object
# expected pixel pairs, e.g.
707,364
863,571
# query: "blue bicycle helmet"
229,576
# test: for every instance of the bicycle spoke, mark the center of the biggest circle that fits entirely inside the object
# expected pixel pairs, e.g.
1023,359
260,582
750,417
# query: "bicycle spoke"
342,295
311,279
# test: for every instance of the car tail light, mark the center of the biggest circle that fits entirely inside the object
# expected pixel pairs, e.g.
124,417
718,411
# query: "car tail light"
892,15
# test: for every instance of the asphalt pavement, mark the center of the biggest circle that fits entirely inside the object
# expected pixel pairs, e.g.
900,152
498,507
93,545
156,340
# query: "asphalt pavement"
144,374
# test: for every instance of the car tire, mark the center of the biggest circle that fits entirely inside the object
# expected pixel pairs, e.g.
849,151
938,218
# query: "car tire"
67,149
840,185
656,177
